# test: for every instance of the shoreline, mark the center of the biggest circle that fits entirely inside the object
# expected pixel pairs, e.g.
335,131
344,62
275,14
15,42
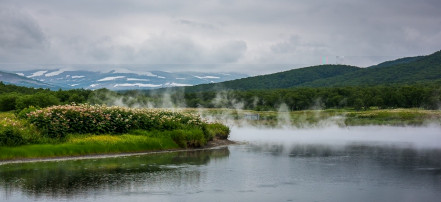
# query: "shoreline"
215,144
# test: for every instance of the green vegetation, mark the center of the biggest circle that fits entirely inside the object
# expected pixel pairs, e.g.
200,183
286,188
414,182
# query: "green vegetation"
96,144
18,98
285,79
427,96
313,118
57,121
424,69
72,130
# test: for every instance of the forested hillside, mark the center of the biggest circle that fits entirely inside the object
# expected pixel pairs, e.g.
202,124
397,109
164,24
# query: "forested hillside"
420,69
285,79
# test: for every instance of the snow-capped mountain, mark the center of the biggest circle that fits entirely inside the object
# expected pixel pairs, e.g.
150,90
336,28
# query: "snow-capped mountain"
124,79
11,78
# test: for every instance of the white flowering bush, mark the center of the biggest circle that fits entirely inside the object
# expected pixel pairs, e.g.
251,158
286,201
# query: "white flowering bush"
14,132
57,121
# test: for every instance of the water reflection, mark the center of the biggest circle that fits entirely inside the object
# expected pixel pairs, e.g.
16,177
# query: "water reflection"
85,177
386,156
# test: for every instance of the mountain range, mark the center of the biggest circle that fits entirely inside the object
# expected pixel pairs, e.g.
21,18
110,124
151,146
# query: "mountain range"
121,79
12,78
408,70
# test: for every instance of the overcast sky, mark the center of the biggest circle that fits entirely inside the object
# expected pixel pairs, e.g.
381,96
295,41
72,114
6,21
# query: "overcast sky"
250,36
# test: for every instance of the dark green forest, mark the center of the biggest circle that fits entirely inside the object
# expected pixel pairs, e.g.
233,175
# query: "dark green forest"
301,98
14,97
427,96
412,70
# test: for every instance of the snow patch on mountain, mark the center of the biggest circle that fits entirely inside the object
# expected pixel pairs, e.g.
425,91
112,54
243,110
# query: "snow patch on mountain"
54,73
173,84
76,77
110,78
128,71
136,79
137,85
207,77
37,73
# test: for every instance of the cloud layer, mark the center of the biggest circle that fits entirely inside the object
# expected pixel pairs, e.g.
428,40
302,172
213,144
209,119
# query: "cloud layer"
223,35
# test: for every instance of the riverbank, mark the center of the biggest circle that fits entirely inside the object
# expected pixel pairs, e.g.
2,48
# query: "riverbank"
214,144
77,130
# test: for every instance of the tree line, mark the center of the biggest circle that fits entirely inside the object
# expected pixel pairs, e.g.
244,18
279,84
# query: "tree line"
427,96
17,97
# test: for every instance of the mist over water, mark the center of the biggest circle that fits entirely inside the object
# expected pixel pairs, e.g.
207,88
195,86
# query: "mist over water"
428,137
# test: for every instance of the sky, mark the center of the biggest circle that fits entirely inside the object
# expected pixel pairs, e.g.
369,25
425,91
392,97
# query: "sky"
247,36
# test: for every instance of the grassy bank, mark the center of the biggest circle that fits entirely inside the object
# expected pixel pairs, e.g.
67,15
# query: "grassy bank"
307,118
74,130
89,145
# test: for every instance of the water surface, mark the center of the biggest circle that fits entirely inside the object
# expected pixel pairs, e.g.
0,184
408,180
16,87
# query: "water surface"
319,164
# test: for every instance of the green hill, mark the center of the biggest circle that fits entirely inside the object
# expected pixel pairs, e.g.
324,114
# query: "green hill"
401,71
415,70
398,61
285,79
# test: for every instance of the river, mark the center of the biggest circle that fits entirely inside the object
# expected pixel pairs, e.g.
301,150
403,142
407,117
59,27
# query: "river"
365,163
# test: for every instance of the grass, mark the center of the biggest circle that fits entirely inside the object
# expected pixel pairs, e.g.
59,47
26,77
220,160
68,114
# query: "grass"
88,145
343,117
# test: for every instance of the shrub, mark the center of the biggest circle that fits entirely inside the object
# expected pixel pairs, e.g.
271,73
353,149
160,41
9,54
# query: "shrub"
189,138
10,136
217,130
37,100
15,132
57,121
8,101
24,112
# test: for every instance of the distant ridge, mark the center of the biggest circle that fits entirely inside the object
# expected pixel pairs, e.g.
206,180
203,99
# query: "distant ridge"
401,71
398,61
10,78
409,70
284,79
123,79
404,71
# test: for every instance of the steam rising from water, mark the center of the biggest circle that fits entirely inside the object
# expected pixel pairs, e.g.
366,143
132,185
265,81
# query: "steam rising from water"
283,130
416,137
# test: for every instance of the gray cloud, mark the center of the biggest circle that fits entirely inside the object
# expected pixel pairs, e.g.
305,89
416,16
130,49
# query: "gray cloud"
20,36
246,36
195,24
